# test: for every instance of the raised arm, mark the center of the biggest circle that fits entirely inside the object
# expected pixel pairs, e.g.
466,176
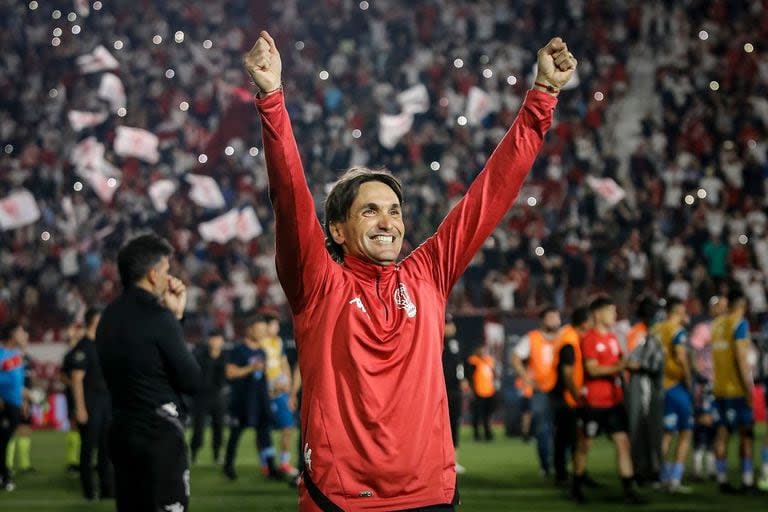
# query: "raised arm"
301,258
473,219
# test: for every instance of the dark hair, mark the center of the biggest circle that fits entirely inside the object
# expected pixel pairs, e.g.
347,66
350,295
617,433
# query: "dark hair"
600,303
735,296
255,319
7,330
343,194
138,256
672,303
216,332
580,316
646,309
90,314
270,317
544,311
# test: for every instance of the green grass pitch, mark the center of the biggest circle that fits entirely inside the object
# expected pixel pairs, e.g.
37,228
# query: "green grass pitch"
501,476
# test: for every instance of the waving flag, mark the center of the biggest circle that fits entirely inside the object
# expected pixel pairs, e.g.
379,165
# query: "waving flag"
479,105
159,192
392,128
607,188
248,225
104,186
414,100
205,192
243,225
98,60
138,143
80,119
112,90
18,209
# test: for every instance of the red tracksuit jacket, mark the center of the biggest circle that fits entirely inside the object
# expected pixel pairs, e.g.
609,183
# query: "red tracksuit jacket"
374,413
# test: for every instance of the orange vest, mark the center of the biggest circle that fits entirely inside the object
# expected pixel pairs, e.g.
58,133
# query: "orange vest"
482,379
542,363
635,334
569,336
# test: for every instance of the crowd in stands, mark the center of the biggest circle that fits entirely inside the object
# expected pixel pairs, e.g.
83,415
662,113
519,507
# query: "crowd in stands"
694,215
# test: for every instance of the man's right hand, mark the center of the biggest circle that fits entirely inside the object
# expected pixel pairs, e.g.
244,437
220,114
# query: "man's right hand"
81,415
264,65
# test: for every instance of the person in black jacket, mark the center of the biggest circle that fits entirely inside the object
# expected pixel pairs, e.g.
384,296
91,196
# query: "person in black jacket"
456,383
209,400
92,410
147,366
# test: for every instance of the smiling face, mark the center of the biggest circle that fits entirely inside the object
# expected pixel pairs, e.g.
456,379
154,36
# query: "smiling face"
373,229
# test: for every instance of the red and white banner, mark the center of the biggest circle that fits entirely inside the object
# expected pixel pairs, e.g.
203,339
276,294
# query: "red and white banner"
104,186
479,105
248,225
112,90
138,143
80,119
205,192
392,128
159,192
243,225
88,154
607,188
98,60
414,100
18,209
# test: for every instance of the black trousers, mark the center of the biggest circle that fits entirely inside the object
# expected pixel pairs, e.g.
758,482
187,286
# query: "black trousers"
455,402
565,433
10,417
95,435
151,464
482,409
203,407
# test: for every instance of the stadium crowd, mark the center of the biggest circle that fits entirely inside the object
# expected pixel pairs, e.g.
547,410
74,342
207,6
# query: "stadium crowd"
700,146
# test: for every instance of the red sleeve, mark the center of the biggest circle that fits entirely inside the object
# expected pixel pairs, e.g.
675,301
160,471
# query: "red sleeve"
448,252
588,347
301,257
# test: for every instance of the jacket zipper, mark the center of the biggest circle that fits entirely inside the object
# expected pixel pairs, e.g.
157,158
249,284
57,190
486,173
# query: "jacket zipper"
378,294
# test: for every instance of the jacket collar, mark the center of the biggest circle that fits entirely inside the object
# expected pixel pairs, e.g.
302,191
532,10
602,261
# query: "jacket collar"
141,294
367,270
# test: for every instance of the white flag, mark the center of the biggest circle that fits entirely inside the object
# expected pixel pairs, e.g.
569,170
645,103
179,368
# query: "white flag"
98,60
222,229
205,192
248,225
572,83
82,8
104,186
88,154
607,188
80,119
112,90
138,143
414,100
18,209
159,192
479,105
392,128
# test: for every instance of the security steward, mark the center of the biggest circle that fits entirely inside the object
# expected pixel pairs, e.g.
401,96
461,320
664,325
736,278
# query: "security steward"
147,366
92,411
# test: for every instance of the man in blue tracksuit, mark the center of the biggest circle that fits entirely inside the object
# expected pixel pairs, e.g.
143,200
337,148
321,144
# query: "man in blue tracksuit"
11,392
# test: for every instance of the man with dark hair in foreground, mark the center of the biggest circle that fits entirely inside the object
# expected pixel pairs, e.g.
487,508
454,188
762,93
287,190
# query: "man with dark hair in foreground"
369,327
147,366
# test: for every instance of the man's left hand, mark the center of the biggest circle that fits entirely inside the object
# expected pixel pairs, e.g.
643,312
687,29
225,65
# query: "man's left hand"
556,64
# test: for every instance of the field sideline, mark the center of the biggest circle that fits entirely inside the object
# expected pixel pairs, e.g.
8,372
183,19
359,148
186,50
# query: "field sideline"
502,476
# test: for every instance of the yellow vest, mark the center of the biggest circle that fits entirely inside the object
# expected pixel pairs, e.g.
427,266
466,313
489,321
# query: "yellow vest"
727,378
673,370
273,347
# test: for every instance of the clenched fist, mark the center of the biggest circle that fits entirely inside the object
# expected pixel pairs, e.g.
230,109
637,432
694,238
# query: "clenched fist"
263,64
555,64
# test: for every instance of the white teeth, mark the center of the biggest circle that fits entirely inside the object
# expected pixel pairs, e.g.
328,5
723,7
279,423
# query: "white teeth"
386,239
